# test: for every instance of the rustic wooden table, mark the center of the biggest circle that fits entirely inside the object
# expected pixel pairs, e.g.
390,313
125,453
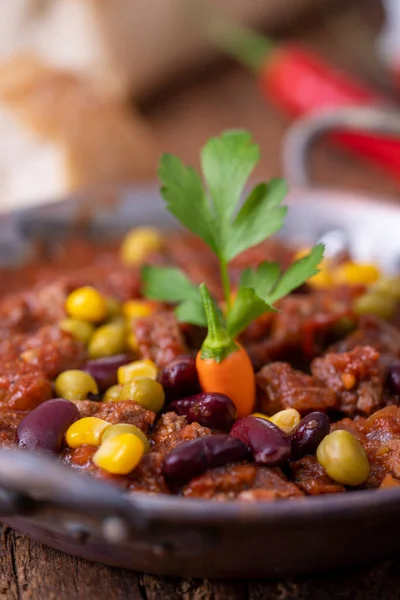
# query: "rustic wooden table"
183,119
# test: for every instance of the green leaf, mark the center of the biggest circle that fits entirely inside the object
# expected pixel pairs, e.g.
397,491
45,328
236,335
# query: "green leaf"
168,284
246,308
296,274
262,279
184,195
260,216
191,311
227,162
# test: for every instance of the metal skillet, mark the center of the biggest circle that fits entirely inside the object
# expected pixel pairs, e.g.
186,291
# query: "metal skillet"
79,515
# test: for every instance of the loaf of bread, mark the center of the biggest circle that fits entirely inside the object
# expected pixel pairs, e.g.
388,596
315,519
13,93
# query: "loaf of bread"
59,134
127,46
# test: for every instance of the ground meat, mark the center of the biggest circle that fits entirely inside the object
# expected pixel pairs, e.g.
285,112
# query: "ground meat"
126,411
148,477
308,474
22,388
309,320
374,332
87,408
172,429
159,338
224,483
48,349
389,482
9,423
356,377
270,484
15,316
81,457
280,386
245,482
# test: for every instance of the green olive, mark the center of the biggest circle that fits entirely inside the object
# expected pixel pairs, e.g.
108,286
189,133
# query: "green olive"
113,393
145,391
75,385
114,308
388,286
373,303
343,458
80,330
107,340
119,428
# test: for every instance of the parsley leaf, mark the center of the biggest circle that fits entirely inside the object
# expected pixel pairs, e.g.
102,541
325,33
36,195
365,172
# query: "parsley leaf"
168,284
191,311
214,211
262,279
171,285
246,308
296,274
185,198
260,288
260,216
227,162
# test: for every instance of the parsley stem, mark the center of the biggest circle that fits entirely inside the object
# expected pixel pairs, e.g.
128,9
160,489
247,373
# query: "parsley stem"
225,284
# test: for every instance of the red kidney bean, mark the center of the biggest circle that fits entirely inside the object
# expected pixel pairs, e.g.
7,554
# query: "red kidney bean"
45,426
104,370
216,411
268,444
308,434
179,377
393,378
193,458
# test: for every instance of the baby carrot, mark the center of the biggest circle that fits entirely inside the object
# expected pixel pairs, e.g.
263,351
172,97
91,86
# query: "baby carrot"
223,366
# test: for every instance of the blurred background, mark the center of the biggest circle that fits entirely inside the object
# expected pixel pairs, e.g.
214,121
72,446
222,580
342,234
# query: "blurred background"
92,91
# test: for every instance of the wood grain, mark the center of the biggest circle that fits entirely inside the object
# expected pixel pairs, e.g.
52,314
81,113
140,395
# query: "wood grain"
30,571
183,119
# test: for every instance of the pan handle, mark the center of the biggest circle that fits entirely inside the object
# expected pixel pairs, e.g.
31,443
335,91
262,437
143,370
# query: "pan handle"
302,136
33,483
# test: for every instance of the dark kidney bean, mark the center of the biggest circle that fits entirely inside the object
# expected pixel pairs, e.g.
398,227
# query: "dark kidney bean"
308,434
268,444
45,426
104,370
195,457
179,377
393,378
216,411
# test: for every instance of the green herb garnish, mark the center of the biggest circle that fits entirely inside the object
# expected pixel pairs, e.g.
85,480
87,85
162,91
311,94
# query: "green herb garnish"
215,212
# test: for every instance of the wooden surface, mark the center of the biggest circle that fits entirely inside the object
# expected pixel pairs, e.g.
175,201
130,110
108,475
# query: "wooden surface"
183,119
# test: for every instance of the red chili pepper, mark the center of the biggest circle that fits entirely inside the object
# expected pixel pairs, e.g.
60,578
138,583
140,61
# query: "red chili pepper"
301,83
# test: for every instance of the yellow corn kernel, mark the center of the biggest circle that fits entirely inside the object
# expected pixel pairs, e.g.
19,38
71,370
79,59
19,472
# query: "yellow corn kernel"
323,278
112,394
138,368
119,454
131,342
139,243
86,431
351,273
120,428
132,309
286,419
87,304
